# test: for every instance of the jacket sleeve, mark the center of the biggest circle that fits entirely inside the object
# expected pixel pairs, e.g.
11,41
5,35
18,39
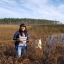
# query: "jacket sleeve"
16,35
28,36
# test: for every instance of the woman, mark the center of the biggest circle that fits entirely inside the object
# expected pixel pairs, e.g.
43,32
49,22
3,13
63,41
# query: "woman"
21,38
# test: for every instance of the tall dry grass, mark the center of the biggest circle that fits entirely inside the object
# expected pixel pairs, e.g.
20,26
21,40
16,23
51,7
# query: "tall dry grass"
55,54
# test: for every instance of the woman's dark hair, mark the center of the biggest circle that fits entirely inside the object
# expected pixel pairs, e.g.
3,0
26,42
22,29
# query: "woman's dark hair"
25,31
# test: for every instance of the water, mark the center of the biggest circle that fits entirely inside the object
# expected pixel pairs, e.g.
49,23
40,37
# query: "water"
56,38
53,40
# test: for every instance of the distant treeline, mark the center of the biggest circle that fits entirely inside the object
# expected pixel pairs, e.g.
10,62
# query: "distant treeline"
27,21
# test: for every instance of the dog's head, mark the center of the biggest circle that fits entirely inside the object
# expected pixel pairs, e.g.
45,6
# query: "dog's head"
38,43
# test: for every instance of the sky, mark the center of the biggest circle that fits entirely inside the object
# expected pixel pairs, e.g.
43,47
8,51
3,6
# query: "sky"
35,9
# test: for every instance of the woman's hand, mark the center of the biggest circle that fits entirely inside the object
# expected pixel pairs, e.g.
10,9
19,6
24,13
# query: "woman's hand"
29,40
20,40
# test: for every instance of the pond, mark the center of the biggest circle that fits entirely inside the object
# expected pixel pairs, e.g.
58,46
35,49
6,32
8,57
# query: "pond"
55,38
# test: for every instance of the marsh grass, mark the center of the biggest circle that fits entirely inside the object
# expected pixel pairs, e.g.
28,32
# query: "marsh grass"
47,55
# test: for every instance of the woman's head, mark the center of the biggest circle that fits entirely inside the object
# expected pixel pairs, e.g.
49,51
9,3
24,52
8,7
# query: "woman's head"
23,29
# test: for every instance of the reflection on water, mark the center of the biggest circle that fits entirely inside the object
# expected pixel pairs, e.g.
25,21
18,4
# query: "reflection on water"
56,38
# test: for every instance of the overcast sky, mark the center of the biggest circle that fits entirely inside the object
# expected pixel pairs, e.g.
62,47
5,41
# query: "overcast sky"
38,9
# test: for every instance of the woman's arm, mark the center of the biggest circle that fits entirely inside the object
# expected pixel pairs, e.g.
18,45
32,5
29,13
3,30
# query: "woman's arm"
16,36
28,37
20,40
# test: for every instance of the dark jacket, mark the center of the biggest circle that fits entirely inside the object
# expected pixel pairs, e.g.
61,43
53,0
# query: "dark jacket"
16,35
